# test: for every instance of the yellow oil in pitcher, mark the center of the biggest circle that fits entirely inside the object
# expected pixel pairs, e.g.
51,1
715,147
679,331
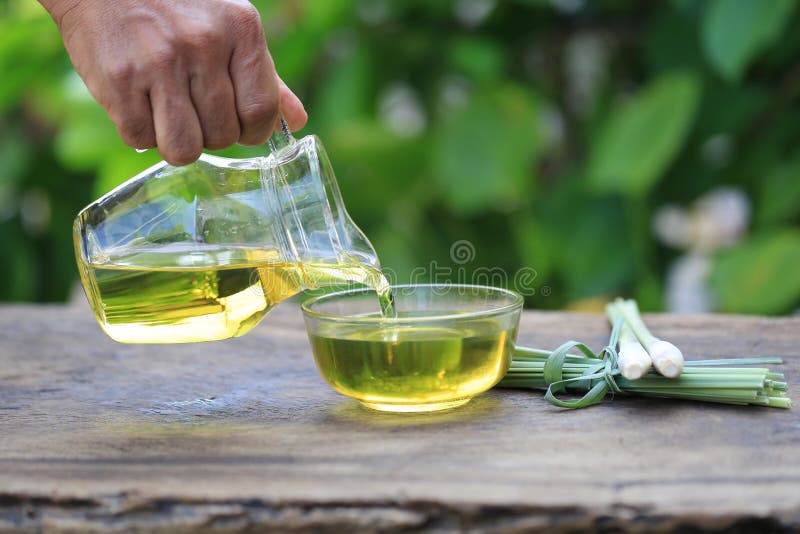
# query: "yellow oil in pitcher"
180,294
413,368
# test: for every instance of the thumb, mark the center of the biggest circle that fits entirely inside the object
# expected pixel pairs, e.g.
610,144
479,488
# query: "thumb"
291,108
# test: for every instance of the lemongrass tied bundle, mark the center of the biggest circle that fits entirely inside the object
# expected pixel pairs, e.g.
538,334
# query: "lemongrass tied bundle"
632,358
560,371
702,380
666,357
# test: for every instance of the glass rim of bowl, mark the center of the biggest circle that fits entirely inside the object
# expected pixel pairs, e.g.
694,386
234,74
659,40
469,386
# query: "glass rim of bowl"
518,302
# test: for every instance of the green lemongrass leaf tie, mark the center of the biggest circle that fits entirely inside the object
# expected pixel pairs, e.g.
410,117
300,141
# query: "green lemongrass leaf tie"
554,364
597,377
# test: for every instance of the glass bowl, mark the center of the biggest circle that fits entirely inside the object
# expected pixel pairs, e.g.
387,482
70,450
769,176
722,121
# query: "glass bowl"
447,344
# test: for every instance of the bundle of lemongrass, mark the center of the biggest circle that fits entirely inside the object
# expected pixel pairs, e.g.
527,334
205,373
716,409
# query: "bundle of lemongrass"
628,370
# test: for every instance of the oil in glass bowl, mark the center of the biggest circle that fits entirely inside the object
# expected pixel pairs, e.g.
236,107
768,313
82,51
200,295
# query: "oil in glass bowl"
446,345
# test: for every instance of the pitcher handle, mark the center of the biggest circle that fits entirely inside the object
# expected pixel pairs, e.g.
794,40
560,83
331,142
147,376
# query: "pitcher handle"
281,139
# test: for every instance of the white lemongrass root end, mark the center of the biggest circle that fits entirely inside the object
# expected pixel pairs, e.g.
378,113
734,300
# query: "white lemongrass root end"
667,358
633,361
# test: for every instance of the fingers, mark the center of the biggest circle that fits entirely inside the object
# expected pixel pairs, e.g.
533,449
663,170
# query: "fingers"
134,120
207,82
215,104
254,79
178,132
292,108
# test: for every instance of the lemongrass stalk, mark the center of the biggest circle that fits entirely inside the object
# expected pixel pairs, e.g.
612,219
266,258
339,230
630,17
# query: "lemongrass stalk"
779,402
667,358
632,359
731,361
727,385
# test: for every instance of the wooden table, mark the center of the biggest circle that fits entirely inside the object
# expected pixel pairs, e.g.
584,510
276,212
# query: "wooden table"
244,436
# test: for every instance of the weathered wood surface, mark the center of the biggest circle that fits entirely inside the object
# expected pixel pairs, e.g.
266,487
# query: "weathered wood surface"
244,436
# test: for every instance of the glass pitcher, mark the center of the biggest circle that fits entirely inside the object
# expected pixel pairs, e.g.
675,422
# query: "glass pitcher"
202,252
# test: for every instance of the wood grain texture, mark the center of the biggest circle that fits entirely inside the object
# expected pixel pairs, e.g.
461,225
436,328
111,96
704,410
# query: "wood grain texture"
244,436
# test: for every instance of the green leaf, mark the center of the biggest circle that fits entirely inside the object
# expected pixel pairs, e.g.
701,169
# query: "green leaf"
86,138
760,276
736,31
671,41
15,155
297,32
19,267
359,152
536,245
780,193
639,140
479,58
29,55
484,153
348,95
728,109
586,264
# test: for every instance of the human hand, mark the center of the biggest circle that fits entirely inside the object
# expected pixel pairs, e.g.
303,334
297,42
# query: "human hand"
179,75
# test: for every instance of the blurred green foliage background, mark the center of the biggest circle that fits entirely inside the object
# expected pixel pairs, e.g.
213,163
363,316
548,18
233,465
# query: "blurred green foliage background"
547,133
